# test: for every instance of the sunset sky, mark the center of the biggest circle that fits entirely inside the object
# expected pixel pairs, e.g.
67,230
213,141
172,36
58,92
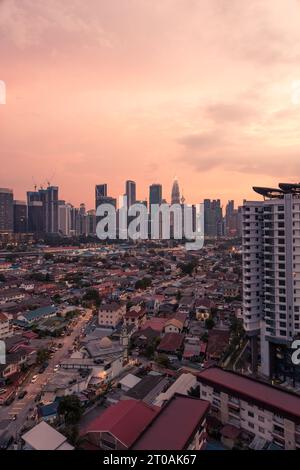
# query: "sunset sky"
108,90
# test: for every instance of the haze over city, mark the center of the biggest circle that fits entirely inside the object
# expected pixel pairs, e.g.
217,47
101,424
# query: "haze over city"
145,90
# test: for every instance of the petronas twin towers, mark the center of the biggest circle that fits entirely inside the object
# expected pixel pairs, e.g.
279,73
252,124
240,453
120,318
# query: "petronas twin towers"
175,195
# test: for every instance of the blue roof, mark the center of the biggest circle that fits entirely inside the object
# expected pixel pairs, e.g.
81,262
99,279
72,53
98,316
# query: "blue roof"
48,410
39,313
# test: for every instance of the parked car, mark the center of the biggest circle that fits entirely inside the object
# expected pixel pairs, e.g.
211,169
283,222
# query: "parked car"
22,394
6,442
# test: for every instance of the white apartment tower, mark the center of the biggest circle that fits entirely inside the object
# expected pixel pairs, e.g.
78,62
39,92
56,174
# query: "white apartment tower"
271,277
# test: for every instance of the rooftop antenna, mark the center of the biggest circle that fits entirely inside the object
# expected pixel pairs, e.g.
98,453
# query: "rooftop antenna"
34,183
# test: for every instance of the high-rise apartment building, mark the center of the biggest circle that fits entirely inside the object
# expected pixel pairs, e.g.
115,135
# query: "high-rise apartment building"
213,218
20,216
35,216
64,218
49,199
271,277
6,210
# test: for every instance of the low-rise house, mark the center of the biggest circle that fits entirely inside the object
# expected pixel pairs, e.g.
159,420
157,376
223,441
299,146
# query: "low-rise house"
148,388
34,316
171,343
192,347
44,437
128,382
102,369
182,413
64,383
135,316
5,330
156,324
10,295
182,385
186,304
48,413
120,425
173,326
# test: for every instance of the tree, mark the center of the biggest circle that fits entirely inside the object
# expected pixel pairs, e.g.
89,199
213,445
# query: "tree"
42,356
71,432
143,283
70,408
163,360
93,296
188,268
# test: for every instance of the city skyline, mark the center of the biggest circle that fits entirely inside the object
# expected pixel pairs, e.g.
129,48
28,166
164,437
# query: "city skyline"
90,93
102,191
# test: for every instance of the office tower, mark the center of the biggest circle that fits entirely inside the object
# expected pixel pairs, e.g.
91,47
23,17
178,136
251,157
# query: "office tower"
35,217
64,219
175,195
100,192
271,277
6,210
213,218
20,216
130,192
155,194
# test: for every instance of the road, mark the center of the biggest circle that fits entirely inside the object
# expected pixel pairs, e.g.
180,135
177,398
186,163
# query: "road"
22,408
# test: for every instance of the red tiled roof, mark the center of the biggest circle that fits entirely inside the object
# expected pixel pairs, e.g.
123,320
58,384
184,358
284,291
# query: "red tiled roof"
175,425
155,323
125,420
264,395
171,342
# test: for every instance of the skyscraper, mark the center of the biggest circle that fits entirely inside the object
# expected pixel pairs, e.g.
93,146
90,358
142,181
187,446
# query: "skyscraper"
213,218
130,192
6,210
155,194
175,195
20,217
35,216
271,277
64,219
100,193
49,199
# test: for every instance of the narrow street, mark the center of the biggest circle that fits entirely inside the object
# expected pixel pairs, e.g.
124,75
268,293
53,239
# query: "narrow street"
24,408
